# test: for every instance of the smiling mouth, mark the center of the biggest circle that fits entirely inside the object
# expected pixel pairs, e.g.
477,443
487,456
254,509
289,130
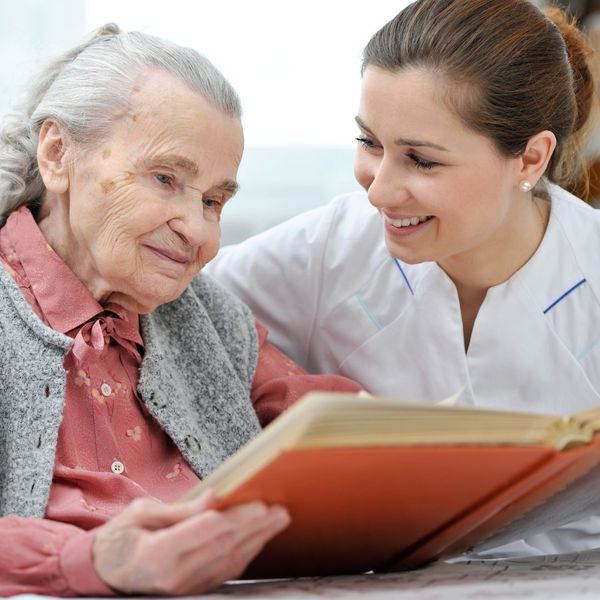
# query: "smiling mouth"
170,255
407,221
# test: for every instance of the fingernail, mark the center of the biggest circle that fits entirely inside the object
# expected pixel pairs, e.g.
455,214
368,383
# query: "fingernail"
280,515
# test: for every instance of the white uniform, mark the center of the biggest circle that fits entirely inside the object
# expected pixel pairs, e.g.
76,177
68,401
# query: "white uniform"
335,300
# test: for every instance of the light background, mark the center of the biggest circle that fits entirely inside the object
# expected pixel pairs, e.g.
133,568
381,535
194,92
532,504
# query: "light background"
295,65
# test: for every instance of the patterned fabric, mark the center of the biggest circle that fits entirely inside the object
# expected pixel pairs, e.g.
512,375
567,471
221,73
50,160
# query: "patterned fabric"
110,447
194,384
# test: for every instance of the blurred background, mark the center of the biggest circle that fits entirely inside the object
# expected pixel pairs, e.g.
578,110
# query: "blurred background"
296,67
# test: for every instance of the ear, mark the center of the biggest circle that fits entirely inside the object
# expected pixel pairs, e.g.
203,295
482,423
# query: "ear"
534,160
51,157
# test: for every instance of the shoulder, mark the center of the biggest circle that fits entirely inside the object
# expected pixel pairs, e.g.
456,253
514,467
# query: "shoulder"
291,262
580,224
204,318
17,319
304,237
231,318
203,304
342,208
221,305
577,248
355,225
571,209
350,217
338,237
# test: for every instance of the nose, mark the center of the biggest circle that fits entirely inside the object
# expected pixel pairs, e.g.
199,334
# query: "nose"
384,182
191,224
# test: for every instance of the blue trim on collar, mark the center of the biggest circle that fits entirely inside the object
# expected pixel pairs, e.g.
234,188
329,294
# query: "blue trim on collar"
369,314
403,275
560,298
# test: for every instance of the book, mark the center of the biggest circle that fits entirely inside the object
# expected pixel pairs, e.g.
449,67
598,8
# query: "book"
378,484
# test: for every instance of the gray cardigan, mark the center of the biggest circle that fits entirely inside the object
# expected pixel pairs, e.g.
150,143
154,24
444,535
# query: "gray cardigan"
200,354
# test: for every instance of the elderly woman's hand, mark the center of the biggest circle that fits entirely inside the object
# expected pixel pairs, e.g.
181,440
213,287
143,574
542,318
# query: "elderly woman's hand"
182,548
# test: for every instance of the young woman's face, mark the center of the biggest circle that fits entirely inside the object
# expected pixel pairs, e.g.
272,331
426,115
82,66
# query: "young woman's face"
444,191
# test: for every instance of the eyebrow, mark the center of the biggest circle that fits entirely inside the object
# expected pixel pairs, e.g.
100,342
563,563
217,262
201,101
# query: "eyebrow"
403,141
229,186
181,162
173,161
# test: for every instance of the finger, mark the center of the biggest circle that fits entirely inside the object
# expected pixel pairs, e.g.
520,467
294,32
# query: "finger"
206,528
206,568
277,521
153,515
233,551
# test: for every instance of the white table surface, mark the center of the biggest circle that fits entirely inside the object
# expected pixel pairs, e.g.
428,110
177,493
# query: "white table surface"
565,577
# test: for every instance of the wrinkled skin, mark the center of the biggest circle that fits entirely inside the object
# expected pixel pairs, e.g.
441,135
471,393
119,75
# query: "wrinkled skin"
184,548
136,217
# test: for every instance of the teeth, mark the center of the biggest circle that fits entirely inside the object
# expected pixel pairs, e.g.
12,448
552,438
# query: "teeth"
406,222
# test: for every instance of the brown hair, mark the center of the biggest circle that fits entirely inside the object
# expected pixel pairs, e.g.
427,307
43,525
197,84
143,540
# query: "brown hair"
509,70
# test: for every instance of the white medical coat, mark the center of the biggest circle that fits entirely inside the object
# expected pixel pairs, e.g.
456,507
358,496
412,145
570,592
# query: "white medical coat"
335,300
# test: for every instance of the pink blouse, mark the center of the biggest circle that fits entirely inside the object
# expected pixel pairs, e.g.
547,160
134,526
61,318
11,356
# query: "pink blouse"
107,439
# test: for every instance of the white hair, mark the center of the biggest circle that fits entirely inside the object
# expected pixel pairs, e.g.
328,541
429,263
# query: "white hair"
83,90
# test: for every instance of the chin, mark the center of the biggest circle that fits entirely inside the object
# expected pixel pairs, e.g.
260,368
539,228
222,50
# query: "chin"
143,305
409,259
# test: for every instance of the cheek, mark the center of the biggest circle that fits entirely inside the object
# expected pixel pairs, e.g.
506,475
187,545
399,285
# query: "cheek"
460,193
209,248
212,245
362,171
111,210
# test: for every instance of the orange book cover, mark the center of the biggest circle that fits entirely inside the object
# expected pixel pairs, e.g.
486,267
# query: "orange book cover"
371,491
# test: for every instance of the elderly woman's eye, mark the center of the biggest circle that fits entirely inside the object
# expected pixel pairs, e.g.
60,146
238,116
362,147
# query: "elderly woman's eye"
164,179
211,203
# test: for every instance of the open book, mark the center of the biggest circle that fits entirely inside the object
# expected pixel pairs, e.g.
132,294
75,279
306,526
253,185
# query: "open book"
373,483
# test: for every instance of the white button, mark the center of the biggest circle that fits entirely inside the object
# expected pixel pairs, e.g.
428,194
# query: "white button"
106,389
117,467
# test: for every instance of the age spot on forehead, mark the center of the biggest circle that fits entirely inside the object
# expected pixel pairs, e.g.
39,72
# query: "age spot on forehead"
106,153
108,185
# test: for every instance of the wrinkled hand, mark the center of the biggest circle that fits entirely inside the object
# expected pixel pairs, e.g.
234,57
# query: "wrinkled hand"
182,548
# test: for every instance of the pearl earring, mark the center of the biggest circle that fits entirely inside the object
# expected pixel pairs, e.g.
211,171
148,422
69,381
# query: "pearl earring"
525,186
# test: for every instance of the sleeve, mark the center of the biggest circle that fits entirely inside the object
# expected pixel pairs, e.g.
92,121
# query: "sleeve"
279,381
48,558
278,275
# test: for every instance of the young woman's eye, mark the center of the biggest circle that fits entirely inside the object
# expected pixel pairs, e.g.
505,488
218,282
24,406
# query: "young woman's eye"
421,163
365,142
164,179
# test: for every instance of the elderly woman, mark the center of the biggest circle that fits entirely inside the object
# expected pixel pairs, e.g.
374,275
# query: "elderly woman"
112,185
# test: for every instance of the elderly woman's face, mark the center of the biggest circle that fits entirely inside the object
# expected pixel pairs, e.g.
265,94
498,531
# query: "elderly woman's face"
144,207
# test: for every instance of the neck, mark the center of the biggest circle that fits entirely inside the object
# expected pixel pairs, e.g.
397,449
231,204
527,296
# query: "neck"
495,261
53,221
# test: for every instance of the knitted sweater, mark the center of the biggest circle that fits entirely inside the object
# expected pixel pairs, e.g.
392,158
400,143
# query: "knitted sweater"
200,356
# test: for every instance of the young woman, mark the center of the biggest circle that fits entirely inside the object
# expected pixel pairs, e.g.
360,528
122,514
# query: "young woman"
465,265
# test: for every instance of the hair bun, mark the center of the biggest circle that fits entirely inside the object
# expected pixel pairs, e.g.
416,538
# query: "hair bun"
107,29
579,52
